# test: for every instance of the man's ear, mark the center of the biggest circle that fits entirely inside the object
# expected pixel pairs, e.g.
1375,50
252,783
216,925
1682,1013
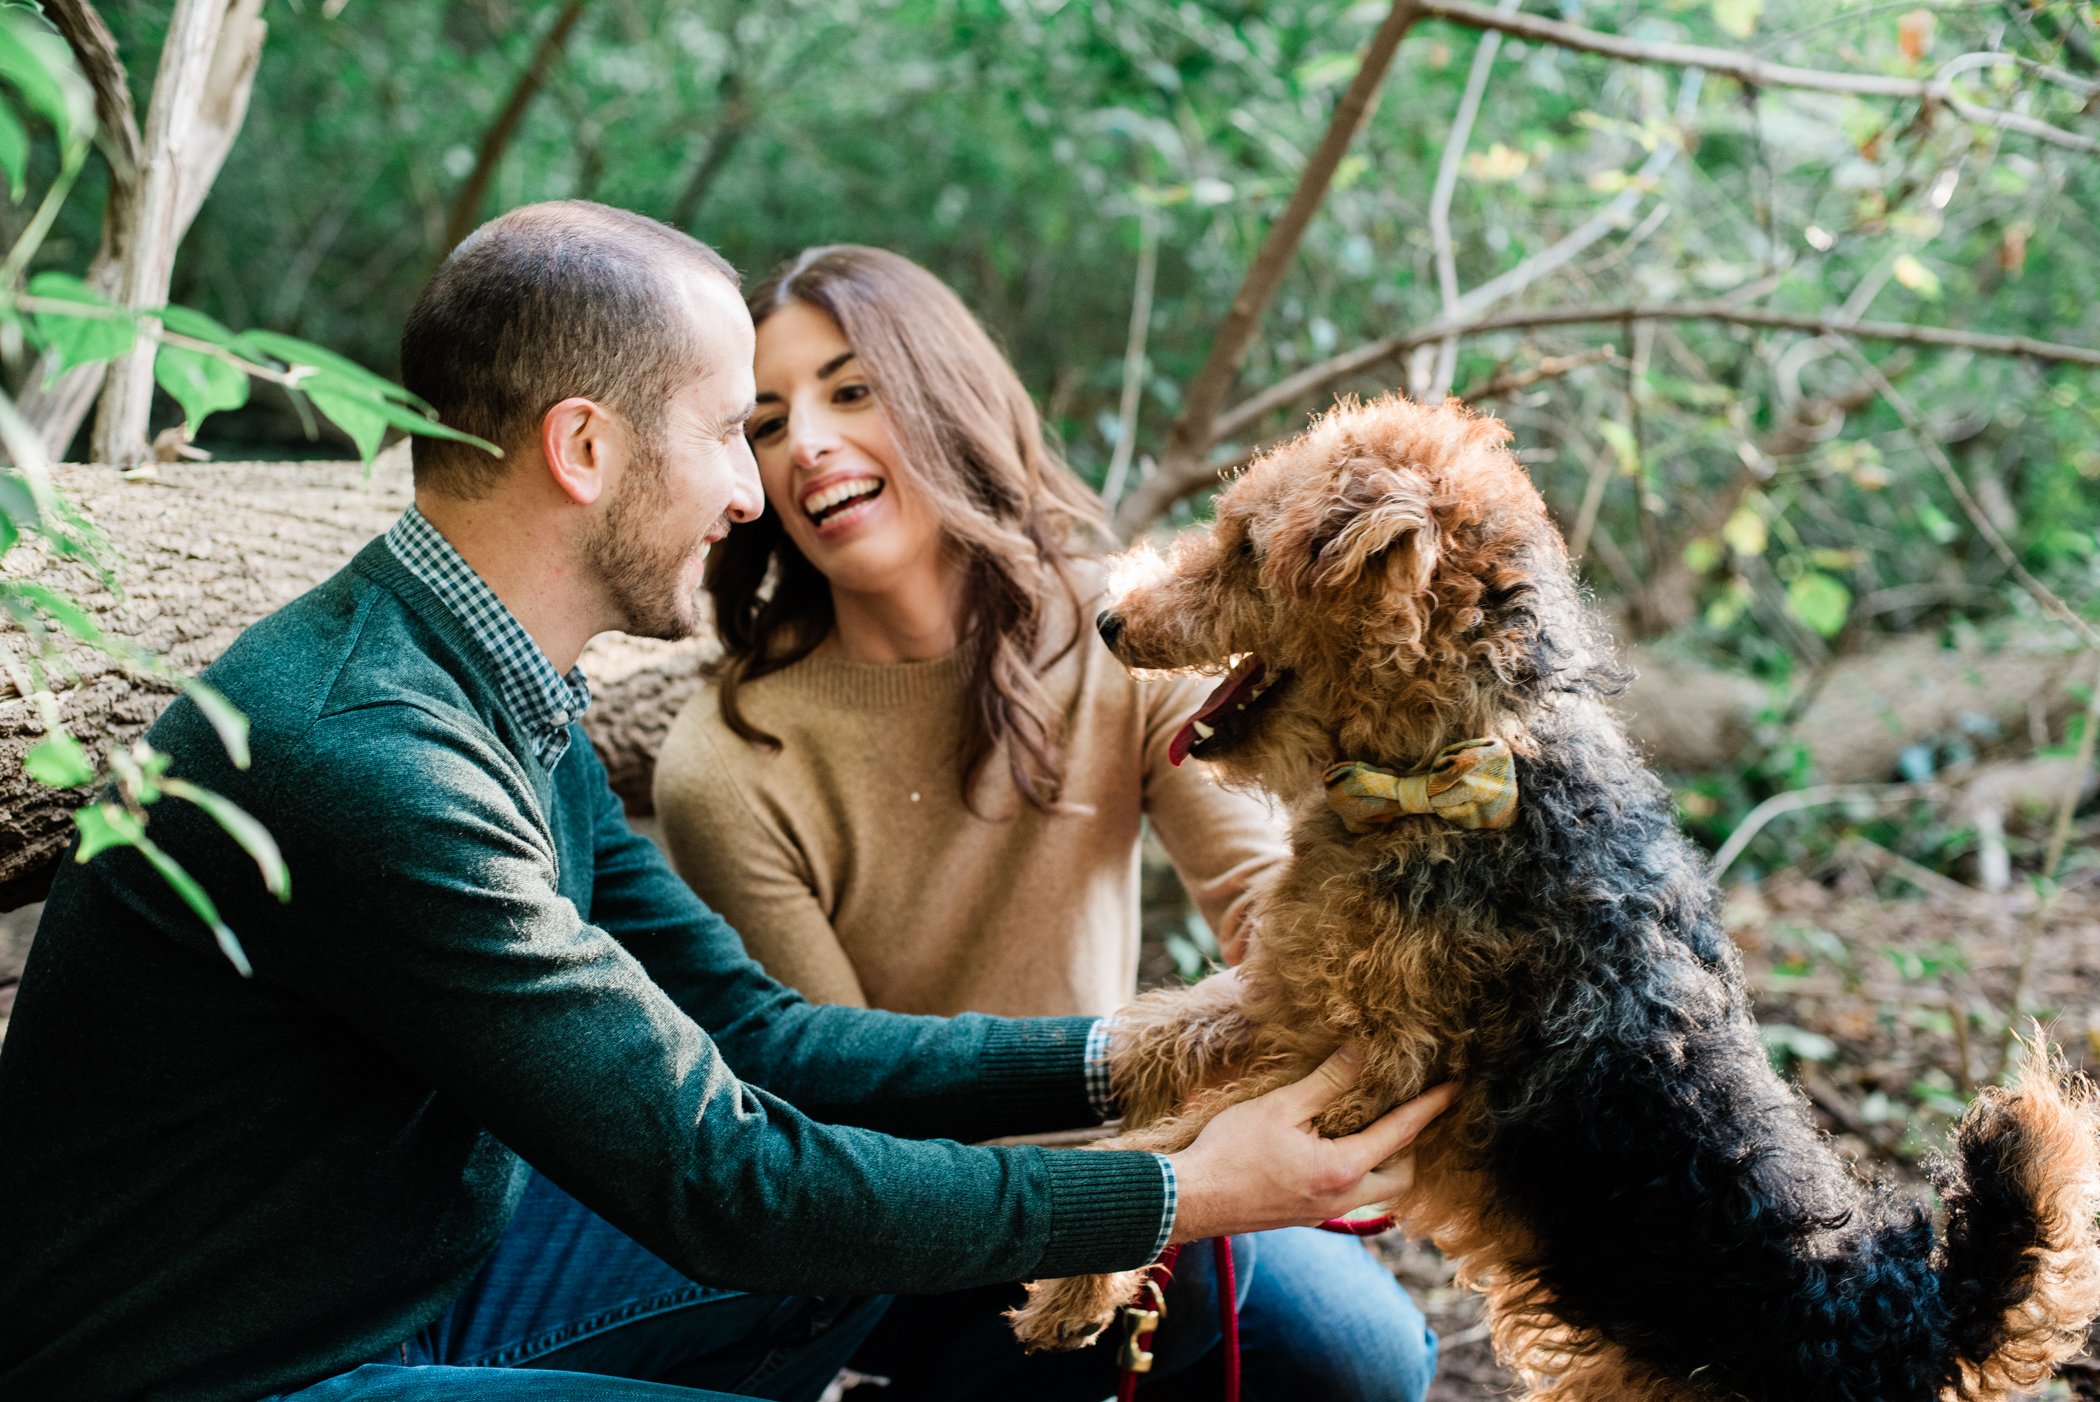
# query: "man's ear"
584,446
1374,519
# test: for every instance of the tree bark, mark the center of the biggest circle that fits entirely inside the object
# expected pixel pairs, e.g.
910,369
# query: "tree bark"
211,548
200,98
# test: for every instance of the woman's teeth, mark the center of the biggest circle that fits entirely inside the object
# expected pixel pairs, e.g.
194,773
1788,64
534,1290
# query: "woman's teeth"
820,505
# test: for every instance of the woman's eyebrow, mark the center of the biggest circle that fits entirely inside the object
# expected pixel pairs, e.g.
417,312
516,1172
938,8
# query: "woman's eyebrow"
824,372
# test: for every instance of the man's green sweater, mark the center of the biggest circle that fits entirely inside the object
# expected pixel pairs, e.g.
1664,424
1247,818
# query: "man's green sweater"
216,1186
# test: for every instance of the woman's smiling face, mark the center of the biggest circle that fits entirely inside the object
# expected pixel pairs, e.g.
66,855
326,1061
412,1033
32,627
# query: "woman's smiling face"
828,461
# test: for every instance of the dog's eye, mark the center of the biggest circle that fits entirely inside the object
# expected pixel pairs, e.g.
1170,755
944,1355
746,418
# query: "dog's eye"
1245,550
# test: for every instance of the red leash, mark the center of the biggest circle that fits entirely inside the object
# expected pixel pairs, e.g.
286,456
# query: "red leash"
1142,1316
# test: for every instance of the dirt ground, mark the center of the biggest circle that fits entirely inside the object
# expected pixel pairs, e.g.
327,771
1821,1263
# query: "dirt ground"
1888,1007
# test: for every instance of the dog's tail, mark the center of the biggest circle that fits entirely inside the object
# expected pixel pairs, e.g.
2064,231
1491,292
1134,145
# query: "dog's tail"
2020,1271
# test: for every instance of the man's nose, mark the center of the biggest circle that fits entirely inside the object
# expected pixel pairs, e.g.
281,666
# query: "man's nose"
747,495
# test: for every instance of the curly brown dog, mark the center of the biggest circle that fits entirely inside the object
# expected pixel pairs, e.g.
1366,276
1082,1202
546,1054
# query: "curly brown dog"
1647,1207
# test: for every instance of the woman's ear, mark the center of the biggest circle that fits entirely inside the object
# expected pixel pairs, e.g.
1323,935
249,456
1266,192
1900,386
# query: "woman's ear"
1371,519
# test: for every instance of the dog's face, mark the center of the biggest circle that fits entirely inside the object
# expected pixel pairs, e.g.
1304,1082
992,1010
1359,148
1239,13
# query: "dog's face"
1386,583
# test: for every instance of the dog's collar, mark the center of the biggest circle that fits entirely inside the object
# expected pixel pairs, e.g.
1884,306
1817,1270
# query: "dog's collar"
1472,784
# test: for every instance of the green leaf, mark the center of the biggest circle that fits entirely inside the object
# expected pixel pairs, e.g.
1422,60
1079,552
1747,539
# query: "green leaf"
14,150
100,331
16,498
1819,601
61,610
1738,17
1745,530
36,62
355,414
295,352
200,382
225,718
1620,437
184,321
194,896
59,762
8,533
103,826
242,827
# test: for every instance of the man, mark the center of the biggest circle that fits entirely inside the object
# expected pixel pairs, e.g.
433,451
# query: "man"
314,1180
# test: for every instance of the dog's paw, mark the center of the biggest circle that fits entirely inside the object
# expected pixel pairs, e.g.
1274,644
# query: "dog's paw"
1071,1312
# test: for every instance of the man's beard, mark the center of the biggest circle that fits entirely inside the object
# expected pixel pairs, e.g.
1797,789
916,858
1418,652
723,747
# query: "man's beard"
638,565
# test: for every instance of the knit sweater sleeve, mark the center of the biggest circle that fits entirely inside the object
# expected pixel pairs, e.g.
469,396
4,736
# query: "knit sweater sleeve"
742,864
1223,842
440,934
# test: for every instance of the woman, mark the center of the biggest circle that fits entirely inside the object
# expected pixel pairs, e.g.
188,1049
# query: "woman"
916,780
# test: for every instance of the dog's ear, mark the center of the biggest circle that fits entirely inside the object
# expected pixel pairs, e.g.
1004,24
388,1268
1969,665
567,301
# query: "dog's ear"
1368,519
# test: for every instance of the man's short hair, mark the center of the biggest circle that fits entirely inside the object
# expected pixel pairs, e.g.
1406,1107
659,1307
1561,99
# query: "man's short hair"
549,301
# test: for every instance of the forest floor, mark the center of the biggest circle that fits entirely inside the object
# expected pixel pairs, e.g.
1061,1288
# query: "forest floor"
1888,1011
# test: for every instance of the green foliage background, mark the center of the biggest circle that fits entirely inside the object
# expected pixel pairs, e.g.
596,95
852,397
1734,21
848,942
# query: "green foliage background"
1011,144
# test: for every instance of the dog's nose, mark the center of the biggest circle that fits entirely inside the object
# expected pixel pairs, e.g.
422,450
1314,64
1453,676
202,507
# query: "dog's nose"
1110,626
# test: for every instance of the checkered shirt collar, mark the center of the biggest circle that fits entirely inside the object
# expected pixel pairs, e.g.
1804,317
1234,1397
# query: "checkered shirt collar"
537,697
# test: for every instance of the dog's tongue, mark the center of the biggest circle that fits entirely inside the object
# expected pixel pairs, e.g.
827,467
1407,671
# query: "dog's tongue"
1240,680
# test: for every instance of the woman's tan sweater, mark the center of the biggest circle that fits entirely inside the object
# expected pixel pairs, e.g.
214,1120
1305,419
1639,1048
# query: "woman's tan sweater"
856,873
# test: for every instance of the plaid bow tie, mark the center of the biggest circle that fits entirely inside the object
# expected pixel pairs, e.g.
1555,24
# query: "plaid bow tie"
1472,784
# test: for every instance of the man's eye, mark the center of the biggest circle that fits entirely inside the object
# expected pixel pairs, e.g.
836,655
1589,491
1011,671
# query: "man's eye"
759,430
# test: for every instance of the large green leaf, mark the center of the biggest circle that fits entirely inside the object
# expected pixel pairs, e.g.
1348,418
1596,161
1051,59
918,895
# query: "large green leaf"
103,826
355,414
36,62
242,827
295,352
200,382
99,331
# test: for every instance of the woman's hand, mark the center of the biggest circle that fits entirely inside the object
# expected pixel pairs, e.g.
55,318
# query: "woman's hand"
1260,1164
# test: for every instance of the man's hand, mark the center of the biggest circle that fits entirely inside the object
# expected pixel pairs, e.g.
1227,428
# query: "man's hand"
1260,1164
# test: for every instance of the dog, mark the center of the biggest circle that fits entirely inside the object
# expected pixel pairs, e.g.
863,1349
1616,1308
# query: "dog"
1648,1209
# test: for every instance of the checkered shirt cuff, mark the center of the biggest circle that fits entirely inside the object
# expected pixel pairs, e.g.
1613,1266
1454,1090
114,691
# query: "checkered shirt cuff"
1166,1221
1099,1094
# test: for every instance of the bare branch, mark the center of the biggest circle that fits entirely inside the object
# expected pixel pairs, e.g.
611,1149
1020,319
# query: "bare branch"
1192,433
466,206
1550,368
1747,68
1164,489
1134,355
1446,187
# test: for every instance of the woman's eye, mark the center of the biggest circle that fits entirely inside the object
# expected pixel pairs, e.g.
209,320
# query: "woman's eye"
759,430
849,394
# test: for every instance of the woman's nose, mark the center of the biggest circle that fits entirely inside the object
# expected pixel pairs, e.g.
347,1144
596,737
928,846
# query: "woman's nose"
810,445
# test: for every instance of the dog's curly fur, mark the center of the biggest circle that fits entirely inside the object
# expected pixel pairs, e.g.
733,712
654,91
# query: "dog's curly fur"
1646,1205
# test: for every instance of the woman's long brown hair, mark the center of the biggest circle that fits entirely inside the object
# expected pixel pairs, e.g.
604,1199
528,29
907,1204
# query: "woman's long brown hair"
969,436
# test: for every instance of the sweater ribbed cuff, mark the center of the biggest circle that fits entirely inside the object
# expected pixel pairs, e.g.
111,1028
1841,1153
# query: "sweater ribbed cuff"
1108,1209
1035,1070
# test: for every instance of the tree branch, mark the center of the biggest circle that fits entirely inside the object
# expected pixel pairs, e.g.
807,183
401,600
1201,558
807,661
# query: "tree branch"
1192,434
1747,68
1165,489
1446,187
466,206
1134,355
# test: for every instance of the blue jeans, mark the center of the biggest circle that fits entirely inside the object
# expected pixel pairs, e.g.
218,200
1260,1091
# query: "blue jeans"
568,1308
1320,1318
